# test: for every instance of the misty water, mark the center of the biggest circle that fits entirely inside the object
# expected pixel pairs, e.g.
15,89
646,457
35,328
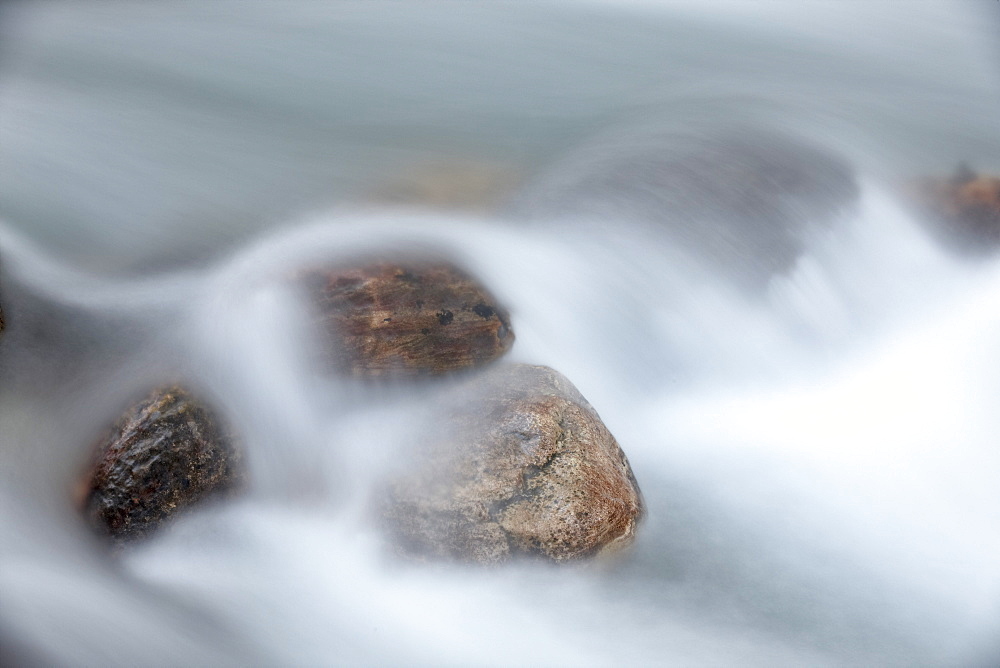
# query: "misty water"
814,419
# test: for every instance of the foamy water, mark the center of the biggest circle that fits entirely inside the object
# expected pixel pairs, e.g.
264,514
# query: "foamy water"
819,460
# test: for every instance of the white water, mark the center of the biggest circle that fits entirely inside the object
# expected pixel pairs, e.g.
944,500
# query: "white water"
819,462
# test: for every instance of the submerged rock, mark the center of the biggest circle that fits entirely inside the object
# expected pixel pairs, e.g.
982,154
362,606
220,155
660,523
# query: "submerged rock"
744,201
166,453
518,464
962,212
389,319
469,185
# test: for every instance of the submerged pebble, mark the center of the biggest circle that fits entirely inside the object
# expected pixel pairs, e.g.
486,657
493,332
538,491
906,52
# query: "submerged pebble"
166,453
518,464
398,319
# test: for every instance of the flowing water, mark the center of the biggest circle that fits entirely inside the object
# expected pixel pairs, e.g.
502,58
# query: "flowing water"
818,449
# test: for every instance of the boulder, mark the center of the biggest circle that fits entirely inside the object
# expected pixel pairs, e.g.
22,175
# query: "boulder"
166,453
962,212
404,319
516,464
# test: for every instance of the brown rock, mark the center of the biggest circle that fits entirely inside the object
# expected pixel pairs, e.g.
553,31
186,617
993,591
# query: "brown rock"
388,319
468,185
166,453
962,212
519,464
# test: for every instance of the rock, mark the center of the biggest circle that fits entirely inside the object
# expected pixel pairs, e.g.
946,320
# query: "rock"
466,185
519,464
398,319
743,201
961,212
164,454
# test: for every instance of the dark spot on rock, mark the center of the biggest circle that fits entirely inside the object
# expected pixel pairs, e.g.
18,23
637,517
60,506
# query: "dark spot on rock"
445,317
407,277
483,311
386,319
425,331
346,282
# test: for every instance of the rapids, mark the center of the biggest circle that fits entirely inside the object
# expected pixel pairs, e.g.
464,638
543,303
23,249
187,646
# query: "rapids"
819,456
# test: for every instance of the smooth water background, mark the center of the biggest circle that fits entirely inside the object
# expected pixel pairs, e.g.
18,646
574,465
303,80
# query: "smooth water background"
819,462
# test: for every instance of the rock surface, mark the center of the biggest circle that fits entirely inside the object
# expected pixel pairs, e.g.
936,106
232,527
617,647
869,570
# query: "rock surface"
519,464
398,319
166,453
962,212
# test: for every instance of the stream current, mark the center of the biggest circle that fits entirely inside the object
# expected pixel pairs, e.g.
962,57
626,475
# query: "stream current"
818,445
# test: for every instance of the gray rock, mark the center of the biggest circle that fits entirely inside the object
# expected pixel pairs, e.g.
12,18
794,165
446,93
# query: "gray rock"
517,464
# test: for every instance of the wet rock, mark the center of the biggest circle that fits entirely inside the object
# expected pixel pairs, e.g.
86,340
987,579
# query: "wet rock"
398,319
518,464
743,201
166,453
961,212
466,185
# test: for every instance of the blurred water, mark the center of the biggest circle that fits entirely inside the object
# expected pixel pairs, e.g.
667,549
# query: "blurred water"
819,457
